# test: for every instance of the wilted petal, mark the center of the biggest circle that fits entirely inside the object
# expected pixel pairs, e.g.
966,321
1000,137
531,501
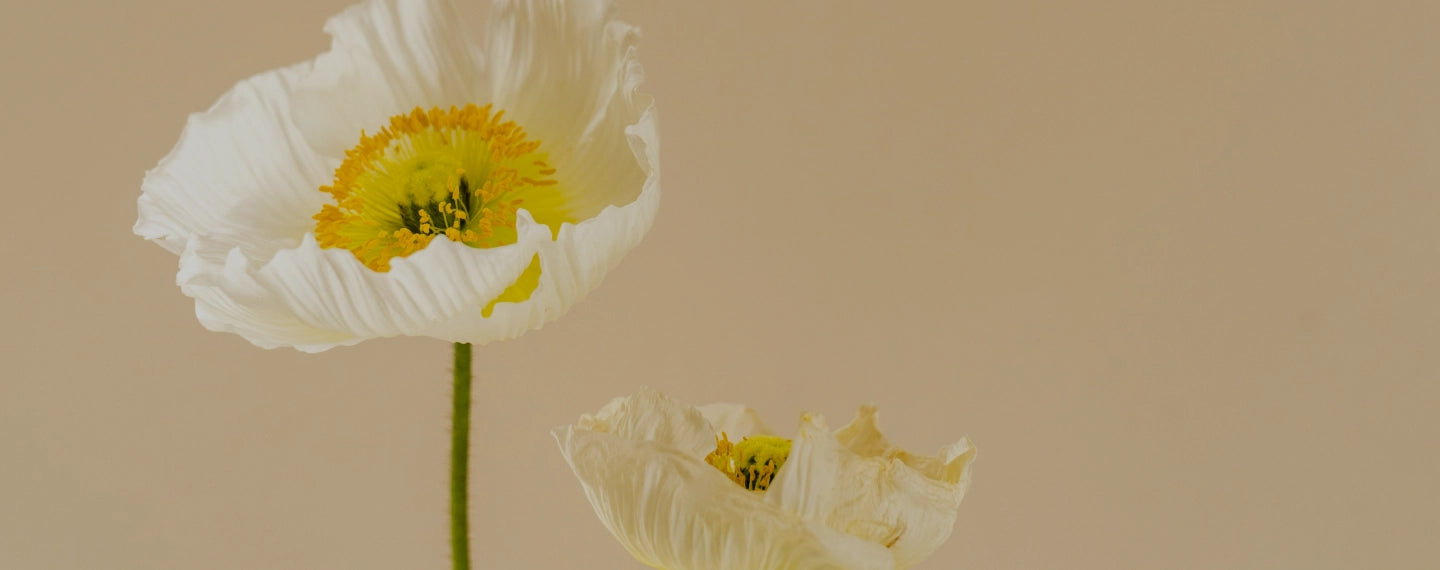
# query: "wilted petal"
649,415
857,483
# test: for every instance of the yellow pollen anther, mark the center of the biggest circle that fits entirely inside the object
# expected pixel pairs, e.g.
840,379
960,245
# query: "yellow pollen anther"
462,173
752,462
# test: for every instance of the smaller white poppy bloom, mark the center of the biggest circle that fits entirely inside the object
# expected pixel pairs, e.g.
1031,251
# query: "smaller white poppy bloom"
711,488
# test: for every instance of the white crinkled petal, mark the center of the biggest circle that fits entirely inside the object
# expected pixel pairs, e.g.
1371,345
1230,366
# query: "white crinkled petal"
387,57
241,176
882,494
333,294
236,196
672,510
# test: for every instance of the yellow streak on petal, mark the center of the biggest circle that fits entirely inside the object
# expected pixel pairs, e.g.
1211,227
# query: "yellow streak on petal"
520,290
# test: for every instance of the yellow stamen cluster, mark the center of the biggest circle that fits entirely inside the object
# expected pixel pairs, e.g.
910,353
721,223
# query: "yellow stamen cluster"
752,462
457,172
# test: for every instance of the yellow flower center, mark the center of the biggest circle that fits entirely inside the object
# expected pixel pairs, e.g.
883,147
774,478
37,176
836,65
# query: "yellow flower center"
752,462
461,173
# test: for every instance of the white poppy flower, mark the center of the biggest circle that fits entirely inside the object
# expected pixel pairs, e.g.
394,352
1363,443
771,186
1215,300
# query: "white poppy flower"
669,483
447,220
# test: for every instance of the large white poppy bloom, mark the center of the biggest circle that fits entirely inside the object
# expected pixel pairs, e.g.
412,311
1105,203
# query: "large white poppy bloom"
669,483
446,219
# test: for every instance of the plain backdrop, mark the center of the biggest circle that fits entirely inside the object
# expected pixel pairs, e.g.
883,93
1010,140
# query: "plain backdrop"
1171,265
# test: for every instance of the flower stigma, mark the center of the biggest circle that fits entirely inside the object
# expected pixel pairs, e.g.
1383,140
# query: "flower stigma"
458,172
752,462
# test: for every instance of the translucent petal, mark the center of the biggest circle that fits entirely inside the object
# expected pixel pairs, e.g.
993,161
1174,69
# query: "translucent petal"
567,71
387,57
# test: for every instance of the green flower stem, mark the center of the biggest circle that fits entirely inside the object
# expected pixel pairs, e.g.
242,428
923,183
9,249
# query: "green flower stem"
460,461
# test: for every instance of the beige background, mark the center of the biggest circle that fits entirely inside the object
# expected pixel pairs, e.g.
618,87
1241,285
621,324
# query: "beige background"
1172,268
